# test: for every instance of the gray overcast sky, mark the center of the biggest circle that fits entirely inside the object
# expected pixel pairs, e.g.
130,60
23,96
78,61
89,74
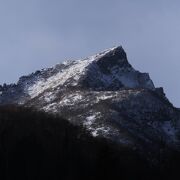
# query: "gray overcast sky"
39,33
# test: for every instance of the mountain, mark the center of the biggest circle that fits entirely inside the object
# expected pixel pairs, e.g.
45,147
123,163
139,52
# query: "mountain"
106,95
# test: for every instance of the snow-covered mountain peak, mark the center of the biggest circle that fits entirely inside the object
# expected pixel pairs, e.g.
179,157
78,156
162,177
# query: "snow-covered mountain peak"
110,70
107,70
108,51
117,52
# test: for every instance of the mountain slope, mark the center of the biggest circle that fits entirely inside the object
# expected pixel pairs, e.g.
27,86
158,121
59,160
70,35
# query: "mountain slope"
36,145
106,95
108,70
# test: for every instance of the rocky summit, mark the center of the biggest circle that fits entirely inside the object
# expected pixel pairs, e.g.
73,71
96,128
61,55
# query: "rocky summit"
106,95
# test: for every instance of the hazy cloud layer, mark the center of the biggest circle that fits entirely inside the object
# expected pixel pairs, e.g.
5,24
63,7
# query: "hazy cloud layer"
39,33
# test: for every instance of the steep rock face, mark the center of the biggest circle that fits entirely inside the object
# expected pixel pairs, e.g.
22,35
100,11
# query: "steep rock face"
105,94
111,70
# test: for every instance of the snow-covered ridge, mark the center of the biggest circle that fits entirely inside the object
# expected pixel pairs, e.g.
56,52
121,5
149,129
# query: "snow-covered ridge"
74,71
103,53
90,71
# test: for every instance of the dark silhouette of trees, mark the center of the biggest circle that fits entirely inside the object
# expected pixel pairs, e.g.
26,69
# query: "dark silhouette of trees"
35,145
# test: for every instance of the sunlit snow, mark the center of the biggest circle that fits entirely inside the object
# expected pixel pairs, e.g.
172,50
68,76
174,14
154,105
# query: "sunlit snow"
73,72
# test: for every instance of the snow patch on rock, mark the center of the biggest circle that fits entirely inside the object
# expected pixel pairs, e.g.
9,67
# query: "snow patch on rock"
101,130
49,97
70,99
90,120
89,124
105,96
51,108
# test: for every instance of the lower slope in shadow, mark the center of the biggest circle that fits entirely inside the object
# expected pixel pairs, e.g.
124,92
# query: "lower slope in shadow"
35,145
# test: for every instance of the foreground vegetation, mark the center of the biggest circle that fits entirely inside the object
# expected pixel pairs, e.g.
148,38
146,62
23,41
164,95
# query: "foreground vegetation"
35,145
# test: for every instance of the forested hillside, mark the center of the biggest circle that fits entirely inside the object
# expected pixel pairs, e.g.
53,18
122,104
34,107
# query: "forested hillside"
35,145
